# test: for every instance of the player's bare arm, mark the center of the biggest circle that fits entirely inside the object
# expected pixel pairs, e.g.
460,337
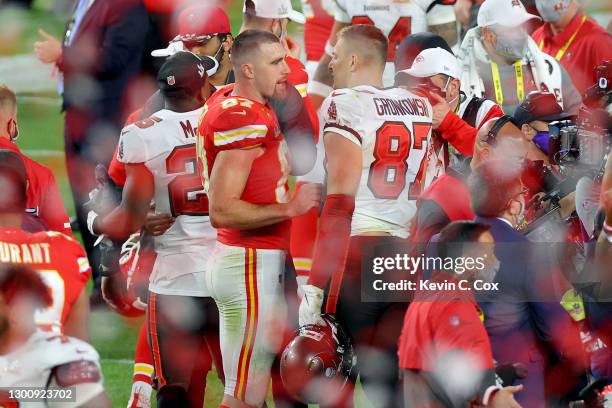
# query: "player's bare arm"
130,215
76,322
344,160
227,181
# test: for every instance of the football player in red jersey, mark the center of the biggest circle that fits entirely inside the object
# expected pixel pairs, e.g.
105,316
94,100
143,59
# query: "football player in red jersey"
60,260
30,357
243,158
44,201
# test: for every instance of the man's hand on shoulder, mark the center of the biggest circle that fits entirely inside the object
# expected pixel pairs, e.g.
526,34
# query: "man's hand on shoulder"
504,398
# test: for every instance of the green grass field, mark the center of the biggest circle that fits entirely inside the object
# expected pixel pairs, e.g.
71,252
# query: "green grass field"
41,137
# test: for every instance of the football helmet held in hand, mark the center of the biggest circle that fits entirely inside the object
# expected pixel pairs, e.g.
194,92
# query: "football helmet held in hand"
318,363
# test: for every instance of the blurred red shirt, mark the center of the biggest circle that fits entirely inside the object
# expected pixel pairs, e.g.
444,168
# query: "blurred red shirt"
43,196
438,322
591,45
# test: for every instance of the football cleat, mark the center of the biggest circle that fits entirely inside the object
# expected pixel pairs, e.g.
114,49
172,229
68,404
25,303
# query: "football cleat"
318,362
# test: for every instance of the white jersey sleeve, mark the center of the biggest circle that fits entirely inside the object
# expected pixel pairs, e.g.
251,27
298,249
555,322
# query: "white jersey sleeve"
51,360
132,148
341,13
342,114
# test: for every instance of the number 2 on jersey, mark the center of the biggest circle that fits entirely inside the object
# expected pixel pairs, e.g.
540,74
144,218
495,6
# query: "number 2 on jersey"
185,192
387,177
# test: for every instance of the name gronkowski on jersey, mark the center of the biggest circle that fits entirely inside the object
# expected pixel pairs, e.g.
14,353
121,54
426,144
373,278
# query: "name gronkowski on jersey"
48,360
393,128
397,19
165,144
233,122
61,262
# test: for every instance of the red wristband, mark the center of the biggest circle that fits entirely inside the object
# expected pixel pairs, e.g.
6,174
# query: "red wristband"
333,238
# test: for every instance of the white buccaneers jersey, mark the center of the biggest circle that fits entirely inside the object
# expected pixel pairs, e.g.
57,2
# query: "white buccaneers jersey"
397,19
51,361
165,144
393,128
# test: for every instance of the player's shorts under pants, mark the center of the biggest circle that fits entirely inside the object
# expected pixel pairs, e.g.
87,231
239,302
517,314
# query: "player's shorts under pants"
247,285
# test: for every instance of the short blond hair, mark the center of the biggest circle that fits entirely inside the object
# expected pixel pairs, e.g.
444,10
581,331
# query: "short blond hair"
370,38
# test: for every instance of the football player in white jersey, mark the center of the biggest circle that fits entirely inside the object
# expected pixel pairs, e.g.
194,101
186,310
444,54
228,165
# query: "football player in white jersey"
376,142
159,154
59,371
397,19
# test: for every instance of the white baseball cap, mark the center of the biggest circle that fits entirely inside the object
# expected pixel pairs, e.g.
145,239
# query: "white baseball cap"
433,61
507,13
441,14
275,9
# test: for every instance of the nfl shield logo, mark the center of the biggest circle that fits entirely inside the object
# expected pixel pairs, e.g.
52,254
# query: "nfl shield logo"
171,81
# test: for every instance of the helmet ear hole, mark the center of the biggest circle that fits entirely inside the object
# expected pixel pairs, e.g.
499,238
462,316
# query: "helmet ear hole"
318,362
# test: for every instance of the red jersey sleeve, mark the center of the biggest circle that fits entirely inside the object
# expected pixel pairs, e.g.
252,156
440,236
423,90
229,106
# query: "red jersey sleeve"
74,268
238,126
116,170
52,210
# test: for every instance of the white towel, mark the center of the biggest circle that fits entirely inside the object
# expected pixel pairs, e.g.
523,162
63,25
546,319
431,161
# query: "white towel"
545,69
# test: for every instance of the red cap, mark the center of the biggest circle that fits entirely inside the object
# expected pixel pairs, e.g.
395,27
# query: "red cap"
203,21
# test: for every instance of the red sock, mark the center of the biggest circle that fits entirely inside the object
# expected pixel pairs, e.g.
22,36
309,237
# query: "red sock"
303,237
143,359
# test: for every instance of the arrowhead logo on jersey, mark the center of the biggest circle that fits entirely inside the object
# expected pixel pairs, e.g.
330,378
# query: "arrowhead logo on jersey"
331,112
171,80
201,70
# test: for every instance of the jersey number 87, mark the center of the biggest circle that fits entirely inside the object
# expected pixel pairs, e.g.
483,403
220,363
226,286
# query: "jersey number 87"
387,177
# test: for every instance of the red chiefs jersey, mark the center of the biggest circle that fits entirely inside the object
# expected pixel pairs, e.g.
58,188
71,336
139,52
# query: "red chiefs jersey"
232,122
61,262
43,196
298,77
318,26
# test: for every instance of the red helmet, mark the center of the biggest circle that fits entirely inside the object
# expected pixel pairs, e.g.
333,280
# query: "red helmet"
318,362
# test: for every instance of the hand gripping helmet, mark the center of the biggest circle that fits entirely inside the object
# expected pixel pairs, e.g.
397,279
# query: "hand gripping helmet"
318,362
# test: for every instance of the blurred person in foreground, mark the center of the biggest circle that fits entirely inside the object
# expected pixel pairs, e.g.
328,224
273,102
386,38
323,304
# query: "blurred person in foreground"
374,171
444,352
98,59
245,168
499,60
524,318
45,208
159,154
572,38
59,259
448,199
30,357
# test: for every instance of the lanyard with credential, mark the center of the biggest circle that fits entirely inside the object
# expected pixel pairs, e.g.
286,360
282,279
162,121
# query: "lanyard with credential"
497,84
569,42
